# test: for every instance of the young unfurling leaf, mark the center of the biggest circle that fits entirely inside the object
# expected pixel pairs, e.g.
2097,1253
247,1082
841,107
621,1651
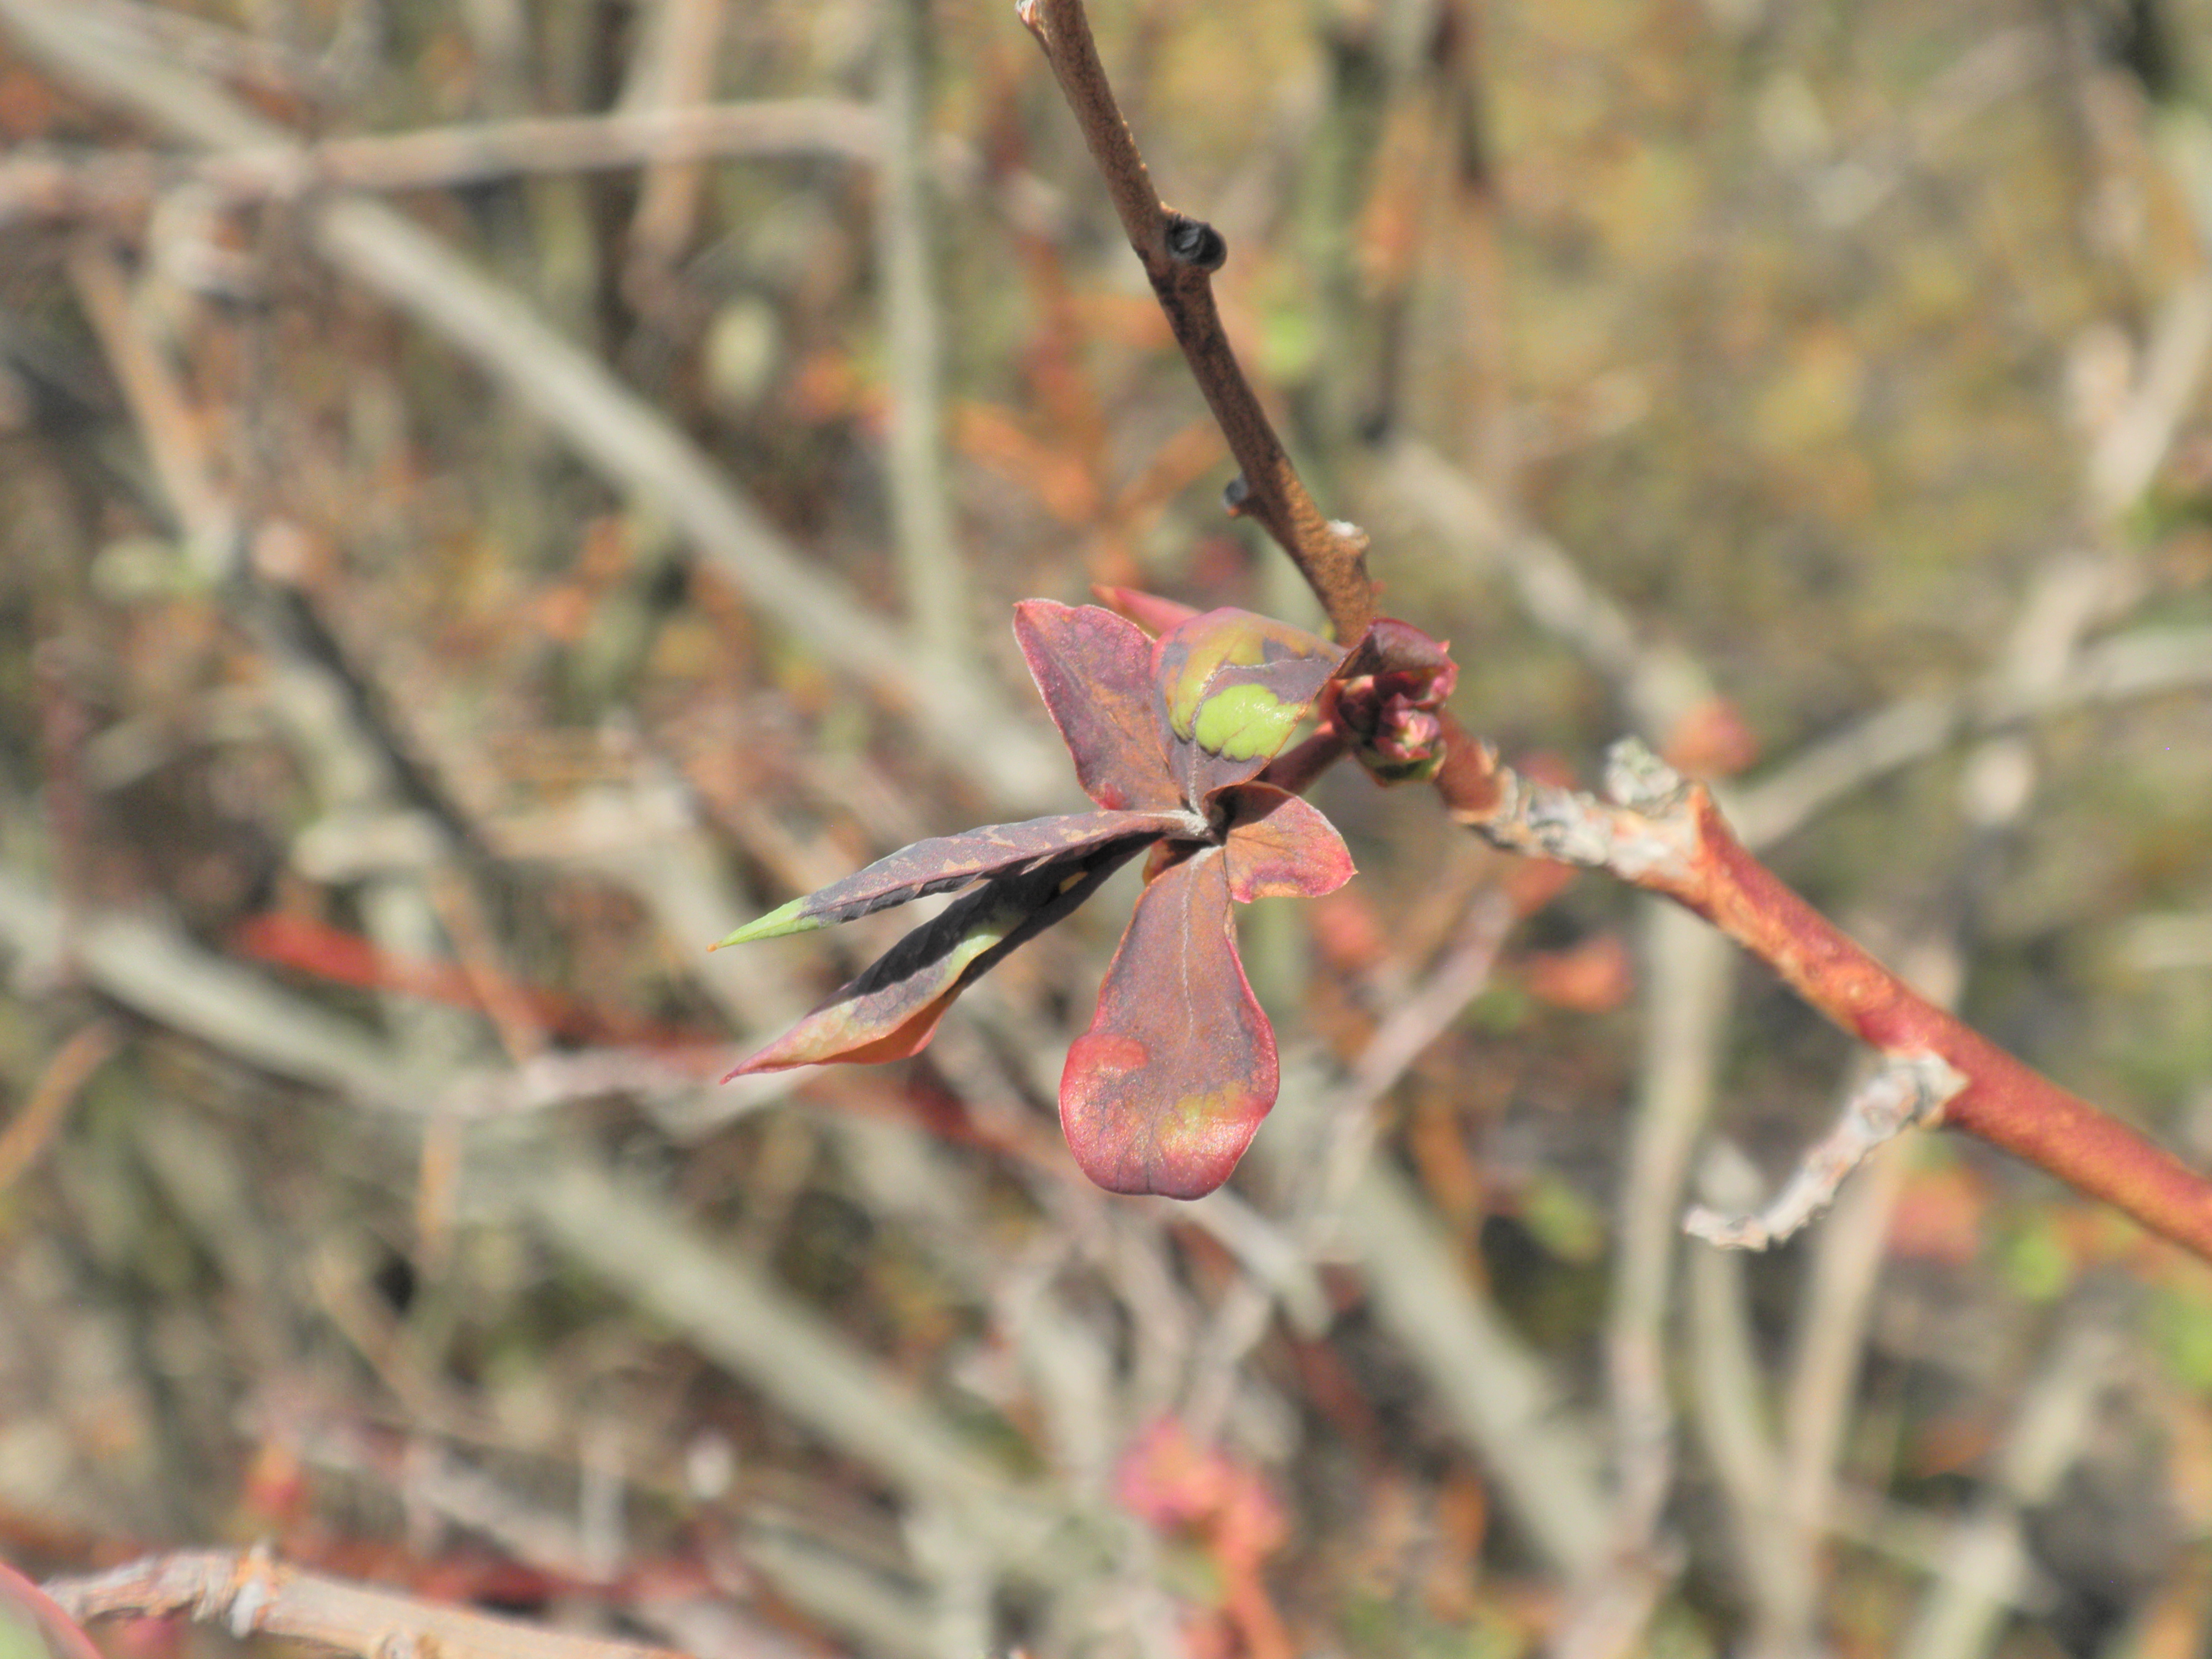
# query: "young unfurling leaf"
945,862
892,1009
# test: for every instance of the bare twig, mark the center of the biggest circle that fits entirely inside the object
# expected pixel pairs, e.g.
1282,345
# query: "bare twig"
1903,1091
250,1593
1728,1399
2145,663
1688,968
150,969
2133,446
1663,834
684,41
54,185
1180,255
1987,1558
744,1322
935,576
59,1086
1344,1125
166,424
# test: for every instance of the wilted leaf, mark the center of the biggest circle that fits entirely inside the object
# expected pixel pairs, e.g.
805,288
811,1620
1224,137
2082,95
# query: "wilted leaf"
1232,687
1279,847
1094,671
891,1011
945,862
1166,1089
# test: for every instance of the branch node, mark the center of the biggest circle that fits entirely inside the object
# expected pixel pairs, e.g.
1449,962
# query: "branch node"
1236,494
1196,243
1640,780
1905,1090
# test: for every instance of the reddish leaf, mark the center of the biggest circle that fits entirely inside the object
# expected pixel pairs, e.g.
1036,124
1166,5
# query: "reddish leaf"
1232,686
1167,1088
1095,674
891,1010
1279,847
1148,610
945,862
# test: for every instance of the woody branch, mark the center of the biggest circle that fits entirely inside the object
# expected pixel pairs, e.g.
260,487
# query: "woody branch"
1180,255
1659,832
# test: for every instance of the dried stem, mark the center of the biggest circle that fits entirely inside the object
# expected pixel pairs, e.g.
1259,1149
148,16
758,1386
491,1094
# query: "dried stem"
250,1593
931,569
444,157
1180,255
1902,1092
57,1088
1665,834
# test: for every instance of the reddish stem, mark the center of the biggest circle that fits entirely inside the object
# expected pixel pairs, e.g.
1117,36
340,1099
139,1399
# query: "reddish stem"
1686,850
2005,1101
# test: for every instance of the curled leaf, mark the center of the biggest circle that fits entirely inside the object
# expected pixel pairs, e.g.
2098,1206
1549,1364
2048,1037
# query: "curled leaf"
892,1009
945,862
1231,688
1166,1089
1094,671
1279,847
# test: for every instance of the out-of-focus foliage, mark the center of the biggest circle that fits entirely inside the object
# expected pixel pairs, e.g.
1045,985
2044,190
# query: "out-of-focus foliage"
1811,333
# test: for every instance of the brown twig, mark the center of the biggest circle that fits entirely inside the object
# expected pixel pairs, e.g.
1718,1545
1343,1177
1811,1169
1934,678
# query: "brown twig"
28,1132
1180,255
1662,833
251,1594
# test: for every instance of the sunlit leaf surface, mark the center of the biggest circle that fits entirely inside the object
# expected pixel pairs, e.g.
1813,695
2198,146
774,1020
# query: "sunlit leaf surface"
1279,847
1166,1089
1094,670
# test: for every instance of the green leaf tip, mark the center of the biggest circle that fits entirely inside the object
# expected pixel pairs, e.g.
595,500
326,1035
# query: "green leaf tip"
784,919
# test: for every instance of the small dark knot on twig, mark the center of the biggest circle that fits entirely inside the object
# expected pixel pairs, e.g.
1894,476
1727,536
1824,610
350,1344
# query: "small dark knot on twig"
1235,493
1194,242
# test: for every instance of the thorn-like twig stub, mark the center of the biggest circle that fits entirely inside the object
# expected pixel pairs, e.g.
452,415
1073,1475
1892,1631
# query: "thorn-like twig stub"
1194,242
1235,493
1906,1089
